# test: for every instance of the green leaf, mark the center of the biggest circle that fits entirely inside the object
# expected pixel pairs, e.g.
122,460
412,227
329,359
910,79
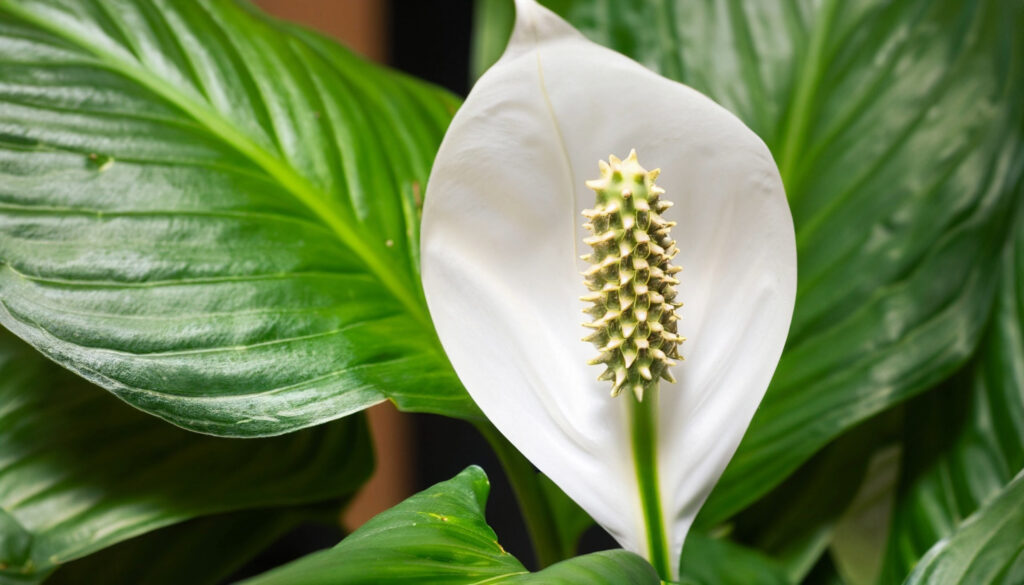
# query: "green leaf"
439,536
711,561
987,548
81,471
859,539
569,518
965,440
492,21
795,522
897,128
214,215
202,551
610,567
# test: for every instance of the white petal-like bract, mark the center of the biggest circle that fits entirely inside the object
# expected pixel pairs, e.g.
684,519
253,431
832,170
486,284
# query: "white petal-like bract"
502,238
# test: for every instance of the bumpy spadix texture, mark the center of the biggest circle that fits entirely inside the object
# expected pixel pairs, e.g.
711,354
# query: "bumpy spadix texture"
502,246
631,278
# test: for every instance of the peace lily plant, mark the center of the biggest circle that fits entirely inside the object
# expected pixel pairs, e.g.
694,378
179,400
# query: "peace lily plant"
211,257
533,252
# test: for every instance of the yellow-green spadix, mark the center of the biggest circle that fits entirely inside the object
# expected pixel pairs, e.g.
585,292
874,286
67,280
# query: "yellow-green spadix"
502,261
631,278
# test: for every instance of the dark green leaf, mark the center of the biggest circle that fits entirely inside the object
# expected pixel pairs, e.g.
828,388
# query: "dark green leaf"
440,537
710,561
987,548
794,523
965,440
897,128
215,215
80,471
203,551
570,519
610,567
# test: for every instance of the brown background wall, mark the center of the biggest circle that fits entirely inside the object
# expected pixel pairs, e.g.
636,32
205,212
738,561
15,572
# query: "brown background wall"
359,24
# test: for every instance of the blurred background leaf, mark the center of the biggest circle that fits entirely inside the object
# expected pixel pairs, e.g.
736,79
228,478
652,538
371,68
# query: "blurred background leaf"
202,551
214,215
710,561
796,522
858,542
570,519
81,471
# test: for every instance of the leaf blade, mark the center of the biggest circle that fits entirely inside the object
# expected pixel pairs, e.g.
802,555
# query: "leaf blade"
81,471
965,444
440,536
986,548
195,177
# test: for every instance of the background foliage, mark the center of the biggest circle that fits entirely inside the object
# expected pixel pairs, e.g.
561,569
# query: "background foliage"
214,215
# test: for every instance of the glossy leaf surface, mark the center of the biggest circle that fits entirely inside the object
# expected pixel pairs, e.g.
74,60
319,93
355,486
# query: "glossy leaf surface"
897,130
80,471
440,536
215,215
964,444
987,548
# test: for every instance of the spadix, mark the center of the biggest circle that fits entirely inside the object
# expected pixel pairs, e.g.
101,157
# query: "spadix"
503,241
630,305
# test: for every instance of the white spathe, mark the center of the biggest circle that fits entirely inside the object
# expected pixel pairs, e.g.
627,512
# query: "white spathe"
501,246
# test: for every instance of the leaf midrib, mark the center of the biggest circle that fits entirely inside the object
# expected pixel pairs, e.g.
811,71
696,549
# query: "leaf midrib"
301,188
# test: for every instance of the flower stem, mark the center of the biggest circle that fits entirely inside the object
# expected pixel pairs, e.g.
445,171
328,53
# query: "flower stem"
533,504
645,458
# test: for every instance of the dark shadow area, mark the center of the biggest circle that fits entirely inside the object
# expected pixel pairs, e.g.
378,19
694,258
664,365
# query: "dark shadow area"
294,545
430,40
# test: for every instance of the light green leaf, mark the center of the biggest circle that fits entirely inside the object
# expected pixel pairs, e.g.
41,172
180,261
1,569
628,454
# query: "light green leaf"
215,215
859,539
987,548
81,471
492,22
897,129
439,536
202,551
965,440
